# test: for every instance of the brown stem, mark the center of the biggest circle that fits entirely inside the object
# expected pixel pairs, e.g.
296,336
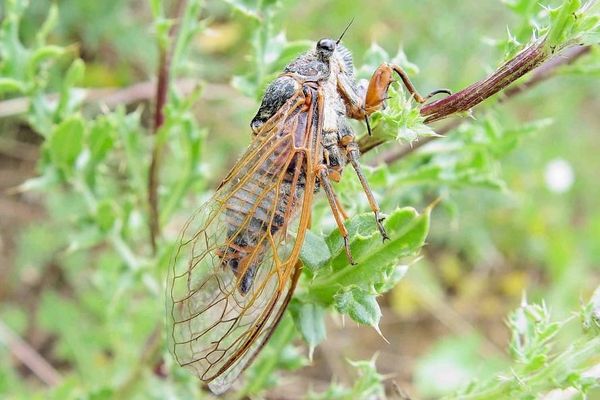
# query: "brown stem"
469,97
542,73
162,88
527,60
159,119
29,356
547,70
112,97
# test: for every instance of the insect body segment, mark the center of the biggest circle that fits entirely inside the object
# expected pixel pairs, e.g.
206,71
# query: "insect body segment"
237,263
254,209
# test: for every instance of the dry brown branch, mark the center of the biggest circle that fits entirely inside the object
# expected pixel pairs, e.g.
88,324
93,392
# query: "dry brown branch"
527,60
27,355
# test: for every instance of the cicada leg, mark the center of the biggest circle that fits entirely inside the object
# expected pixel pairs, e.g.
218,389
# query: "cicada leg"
380,83
353,154
337,213
360,104
340,207
334,175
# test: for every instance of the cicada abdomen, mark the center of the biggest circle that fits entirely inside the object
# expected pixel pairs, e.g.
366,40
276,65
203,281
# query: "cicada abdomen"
258,209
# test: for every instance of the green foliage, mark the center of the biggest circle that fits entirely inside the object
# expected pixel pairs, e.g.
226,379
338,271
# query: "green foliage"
537,367
369,384
104,314
376,260
279,355
457,361
310,321
471,158
271,52
359,304
560,23
570,23
401,120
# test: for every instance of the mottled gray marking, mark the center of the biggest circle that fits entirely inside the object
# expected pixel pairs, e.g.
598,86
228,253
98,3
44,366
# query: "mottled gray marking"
277,93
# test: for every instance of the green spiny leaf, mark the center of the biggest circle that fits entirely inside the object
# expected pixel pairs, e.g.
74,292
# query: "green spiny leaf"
310,321
359,305
407,231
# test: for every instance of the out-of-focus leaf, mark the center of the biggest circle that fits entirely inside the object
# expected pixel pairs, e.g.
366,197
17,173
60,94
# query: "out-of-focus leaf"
45,53
309,319
451,364
100,139
368,385
105,215
262,373
523,7
9,85
590,313
373,58
253,8
66,142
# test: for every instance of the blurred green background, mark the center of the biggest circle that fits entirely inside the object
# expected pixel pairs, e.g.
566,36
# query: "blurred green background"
539,234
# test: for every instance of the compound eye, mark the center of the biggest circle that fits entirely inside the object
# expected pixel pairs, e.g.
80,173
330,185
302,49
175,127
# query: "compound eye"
326,44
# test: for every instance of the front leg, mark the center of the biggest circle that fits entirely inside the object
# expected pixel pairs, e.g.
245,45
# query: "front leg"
377,90
380,83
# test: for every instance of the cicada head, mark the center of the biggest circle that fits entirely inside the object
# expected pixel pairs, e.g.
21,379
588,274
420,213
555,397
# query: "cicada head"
329,50
325,49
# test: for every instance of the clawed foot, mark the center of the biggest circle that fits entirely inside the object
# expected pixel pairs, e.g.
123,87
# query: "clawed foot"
379,220
348,252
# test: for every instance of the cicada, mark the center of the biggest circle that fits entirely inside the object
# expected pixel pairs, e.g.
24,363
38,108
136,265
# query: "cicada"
237,263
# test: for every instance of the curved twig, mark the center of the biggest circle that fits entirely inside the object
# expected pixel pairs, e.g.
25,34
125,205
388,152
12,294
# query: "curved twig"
527,60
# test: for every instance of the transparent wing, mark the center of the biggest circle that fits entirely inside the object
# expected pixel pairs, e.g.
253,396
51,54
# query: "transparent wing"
235,269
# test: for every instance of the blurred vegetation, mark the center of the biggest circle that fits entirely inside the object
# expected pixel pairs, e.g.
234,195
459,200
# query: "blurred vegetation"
488,295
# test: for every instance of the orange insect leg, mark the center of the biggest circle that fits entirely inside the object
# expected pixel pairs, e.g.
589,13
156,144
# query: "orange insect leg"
380,83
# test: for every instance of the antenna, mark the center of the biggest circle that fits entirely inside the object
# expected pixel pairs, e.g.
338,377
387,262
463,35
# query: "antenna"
343,33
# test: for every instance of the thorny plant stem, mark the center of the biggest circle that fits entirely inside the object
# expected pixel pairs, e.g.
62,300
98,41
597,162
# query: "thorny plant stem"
162,89
527,60
522,63
541,74
161,98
